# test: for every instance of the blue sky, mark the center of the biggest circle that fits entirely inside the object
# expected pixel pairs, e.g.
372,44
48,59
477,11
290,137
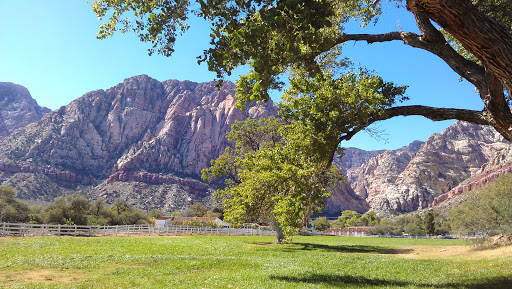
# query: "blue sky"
50,47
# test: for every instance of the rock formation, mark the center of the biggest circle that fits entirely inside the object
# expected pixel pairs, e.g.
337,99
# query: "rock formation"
146,141
143,140
17,108
411,178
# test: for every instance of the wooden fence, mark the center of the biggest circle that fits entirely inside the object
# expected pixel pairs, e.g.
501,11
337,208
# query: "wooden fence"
19,229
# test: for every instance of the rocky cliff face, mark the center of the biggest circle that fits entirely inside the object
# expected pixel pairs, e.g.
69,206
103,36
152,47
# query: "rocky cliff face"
17,108
143,140
140,124
146,141
411,178
140,131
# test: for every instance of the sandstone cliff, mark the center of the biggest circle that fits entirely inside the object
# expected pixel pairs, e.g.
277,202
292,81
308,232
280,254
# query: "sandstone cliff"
140,131
146,141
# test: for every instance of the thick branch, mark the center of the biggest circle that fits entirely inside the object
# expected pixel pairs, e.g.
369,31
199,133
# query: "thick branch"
433,113
497,109
431,42
436,113
484,37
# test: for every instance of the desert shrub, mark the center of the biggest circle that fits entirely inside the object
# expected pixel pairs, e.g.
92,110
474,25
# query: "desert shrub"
70,209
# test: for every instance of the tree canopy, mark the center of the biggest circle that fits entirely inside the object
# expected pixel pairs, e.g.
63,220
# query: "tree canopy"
274,37
273,175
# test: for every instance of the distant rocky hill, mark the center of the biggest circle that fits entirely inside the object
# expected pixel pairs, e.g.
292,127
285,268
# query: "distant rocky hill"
412,177
17,108
143,140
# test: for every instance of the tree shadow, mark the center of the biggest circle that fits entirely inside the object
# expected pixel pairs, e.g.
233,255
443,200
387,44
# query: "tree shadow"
341,281
351,248
293,247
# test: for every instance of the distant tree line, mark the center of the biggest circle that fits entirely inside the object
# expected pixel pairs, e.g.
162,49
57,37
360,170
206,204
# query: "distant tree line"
75,209
486,211
432,223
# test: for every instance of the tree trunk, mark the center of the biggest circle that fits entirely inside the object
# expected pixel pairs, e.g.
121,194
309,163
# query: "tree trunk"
484,37
489,41
279,233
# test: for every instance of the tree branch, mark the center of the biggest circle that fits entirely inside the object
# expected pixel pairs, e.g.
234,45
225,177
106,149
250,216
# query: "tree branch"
433,113
482,36
497,109
432,41
436,113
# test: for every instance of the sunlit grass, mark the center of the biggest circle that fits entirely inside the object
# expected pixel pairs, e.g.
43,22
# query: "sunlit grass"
249,262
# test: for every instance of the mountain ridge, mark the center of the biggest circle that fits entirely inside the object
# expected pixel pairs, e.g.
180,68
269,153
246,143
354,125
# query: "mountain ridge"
17,108
142,140
146,141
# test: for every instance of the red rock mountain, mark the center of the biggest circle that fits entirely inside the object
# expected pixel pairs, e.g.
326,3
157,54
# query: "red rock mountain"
146,141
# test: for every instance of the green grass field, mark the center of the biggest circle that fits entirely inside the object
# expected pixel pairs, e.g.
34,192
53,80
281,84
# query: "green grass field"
249,262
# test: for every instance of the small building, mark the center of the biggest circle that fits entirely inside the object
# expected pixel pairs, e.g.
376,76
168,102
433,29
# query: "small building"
361,231
162,222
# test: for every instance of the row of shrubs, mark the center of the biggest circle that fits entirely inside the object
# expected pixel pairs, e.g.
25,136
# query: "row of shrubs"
72,210
430,224
485,211
75,209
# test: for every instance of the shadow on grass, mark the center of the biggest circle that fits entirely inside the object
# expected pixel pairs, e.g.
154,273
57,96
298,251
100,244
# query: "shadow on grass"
350,248
293,247
341,281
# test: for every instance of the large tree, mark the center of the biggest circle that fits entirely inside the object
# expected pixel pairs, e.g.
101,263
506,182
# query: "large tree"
282,168
473,38
273,174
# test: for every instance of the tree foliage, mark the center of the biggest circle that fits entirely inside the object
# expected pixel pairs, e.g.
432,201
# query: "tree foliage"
273,174
278,36
11,209
71,210
321,224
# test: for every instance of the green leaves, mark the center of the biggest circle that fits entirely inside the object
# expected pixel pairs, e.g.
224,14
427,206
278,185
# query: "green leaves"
273,174
156,22
334,106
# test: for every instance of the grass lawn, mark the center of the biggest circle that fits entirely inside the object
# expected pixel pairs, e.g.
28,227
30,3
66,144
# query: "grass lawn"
249,262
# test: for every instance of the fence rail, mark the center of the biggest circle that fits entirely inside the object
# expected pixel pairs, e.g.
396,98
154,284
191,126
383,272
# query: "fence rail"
20,229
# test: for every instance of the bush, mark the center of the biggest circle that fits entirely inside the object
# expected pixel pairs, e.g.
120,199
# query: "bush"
321,224
11,209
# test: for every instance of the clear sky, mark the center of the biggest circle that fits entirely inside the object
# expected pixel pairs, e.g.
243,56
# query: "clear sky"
50,47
